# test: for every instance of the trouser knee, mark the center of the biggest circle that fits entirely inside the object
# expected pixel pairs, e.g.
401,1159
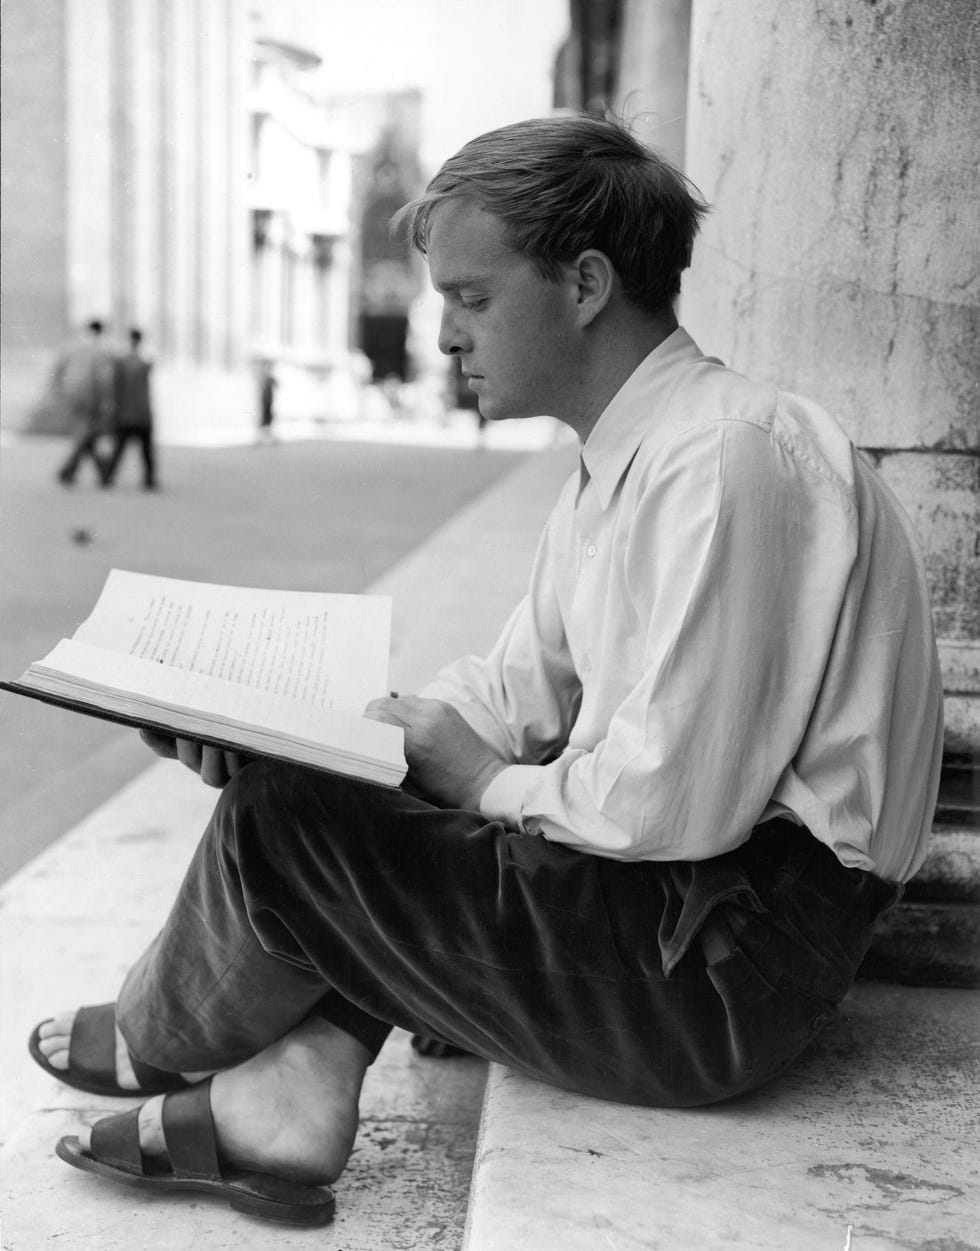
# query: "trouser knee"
274,819
251,816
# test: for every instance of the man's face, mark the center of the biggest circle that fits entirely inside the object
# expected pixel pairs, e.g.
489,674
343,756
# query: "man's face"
513,331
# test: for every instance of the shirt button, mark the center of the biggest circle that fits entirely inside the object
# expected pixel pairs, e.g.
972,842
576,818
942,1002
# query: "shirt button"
590,550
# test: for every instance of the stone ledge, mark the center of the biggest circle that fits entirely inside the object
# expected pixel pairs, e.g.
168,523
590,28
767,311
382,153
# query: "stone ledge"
870,1142
951,871
927,944
962,717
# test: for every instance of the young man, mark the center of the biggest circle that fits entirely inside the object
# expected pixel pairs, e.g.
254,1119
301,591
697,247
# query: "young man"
645,842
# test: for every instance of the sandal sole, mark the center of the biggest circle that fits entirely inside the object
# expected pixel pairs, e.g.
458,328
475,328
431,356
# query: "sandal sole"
307,1206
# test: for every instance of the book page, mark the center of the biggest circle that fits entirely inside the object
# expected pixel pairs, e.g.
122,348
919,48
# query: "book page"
329,650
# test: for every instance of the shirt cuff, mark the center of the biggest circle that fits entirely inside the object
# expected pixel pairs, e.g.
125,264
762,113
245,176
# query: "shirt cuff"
505,797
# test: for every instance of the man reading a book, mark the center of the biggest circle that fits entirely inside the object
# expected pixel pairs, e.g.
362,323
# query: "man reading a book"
644,843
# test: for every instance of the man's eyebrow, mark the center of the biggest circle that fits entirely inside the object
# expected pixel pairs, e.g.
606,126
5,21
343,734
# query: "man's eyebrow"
457,284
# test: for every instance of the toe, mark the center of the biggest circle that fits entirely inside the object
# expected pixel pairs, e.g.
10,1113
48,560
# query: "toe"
56,1057
59,1025
54,1039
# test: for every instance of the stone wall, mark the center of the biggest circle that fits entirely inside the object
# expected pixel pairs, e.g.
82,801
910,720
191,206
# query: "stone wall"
837,143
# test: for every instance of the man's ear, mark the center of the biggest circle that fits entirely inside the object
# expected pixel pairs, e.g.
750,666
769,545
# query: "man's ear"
595,279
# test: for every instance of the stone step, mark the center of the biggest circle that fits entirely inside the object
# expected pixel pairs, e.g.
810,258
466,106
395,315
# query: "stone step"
962,716
958,802
870,1142
927,944
951,872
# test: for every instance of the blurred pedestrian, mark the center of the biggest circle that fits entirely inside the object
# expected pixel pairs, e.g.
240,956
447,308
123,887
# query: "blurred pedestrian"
83,381
267,403
132,417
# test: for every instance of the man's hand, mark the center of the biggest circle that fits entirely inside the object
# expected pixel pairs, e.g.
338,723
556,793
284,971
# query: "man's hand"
447,760
216,766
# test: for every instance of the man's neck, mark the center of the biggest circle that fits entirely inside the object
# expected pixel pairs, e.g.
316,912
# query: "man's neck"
615,352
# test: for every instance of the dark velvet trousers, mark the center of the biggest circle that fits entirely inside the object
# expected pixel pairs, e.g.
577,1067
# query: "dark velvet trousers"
668,984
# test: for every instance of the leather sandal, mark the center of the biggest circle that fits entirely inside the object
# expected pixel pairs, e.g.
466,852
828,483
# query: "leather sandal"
92,1059
188,1131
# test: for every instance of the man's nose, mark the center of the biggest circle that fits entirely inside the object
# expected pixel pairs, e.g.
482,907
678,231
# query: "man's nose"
452,341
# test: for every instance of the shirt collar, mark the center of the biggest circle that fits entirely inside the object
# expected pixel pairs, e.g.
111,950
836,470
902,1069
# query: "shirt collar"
630,415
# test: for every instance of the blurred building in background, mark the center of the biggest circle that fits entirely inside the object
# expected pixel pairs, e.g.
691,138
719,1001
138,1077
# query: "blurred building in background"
330,291
173,165
125,163
300,225
390,275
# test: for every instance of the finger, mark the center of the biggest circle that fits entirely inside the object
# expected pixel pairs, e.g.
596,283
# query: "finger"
390,708
385,715
382,702
161,744
189,754
234,763
213,771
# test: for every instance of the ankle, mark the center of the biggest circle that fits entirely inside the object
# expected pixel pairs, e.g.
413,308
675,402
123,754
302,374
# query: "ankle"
328,1054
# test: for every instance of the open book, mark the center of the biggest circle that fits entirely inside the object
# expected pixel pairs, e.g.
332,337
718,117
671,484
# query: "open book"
270,673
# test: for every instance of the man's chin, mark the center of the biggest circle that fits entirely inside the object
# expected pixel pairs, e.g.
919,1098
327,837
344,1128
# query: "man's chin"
491,411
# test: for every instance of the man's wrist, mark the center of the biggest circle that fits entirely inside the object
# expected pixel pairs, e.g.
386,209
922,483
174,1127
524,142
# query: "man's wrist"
505,797
485,775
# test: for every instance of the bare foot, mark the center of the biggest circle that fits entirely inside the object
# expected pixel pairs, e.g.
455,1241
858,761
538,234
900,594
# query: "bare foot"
54,1039
291,1110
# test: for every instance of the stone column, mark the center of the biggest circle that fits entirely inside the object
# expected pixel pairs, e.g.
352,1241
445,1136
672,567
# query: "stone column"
144,173
651,79
89,201
33,231
837,142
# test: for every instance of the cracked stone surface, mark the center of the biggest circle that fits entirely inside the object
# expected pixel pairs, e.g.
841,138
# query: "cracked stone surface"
870,1143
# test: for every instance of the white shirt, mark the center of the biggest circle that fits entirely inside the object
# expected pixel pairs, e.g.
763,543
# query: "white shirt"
727,620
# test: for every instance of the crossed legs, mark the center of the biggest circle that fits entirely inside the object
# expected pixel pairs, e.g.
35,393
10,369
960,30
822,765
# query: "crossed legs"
318,912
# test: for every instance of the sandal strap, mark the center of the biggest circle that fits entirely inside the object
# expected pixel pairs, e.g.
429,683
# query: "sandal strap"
116,1141
92,1049
188,1130
92,1053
